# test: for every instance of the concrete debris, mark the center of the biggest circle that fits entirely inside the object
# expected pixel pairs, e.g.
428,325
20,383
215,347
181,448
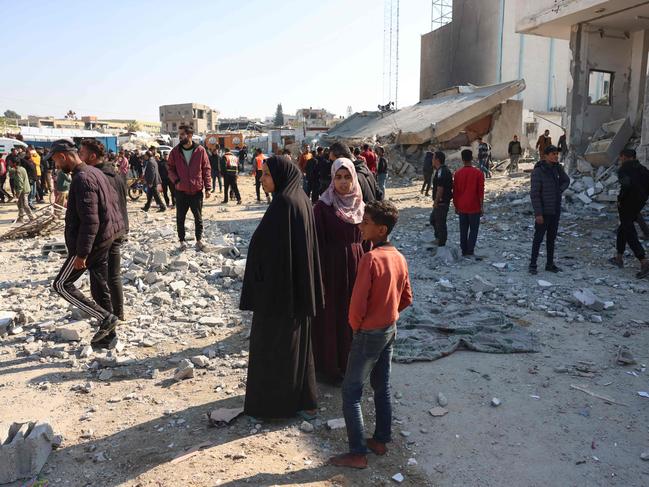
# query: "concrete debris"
438,412
73,332
306,427
441,400
184,371
587,298
644,455
335,424
624,356
495,402
481,285
200,361
398,478
446,255
25,447
223,416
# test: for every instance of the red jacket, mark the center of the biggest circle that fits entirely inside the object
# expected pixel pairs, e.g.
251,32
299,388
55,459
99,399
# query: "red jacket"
468,190
370,160
192,178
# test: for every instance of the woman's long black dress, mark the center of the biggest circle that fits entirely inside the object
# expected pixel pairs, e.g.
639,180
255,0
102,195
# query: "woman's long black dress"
283,287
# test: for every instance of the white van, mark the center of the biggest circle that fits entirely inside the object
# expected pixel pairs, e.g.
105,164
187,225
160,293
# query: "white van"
6,144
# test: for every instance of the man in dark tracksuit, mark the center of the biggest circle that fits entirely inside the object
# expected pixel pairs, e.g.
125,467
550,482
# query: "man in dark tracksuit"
167,187
153,180
442,195
548,183
93,221
92,152
634,192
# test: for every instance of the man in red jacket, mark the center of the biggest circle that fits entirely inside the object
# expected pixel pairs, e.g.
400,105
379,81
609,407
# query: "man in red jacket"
370,158
190,173
468,199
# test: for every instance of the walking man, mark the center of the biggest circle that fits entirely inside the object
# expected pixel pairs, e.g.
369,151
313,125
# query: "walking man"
381,169
93,221
258,164
230,177
634,192
563,146
153,181
515,150
167,187
189,171
215,167
468,199
92,152
370,158
428,171
442,194
548,183
22,188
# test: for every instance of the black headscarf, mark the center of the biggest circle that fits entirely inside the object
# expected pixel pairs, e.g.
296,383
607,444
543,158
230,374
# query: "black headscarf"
282,275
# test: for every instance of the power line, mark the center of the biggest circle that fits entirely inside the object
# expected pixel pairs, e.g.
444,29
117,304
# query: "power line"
391,51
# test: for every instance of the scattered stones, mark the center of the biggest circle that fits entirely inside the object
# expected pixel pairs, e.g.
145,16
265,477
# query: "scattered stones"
105,375
481,285
625,357
398,478
587,298
438,412
644,455
200,361
184,371
73,332
543,283
495,402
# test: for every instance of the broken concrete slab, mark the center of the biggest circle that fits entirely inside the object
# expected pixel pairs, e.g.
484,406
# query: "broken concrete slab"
25,449
184,371
606,145
587,298
73,332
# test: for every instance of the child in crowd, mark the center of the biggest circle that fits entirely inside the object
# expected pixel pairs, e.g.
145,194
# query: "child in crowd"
382,290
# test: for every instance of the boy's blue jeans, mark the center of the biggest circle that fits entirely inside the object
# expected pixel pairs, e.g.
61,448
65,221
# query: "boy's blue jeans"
370,357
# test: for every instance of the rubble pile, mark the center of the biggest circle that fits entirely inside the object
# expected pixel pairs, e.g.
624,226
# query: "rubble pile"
24,449
169,296
596,189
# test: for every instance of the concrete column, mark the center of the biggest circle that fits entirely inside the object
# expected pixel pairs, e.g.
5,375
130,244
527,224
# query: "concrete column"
643,149
577,88
637,76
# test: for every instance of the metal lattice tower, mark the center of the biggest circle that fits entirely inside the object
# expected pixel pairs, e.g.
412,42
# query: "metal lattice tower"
442,13
391,52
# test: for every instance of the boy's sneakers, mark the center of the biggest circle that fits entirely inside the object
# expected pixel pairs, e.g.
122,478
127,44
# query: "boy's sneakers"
106,328
351,460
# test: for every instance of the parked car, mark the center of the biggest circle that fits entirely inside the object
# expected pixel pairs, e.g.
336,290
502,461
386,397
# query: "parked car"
6,144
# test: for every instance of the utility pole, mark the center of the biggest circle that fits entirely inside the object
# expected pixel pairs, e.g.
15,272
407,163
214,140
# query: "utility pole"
391,52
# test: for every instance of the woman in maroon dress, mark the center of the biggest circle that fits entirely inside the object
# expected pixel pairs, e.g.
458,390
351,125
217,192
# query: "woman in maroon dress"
337,216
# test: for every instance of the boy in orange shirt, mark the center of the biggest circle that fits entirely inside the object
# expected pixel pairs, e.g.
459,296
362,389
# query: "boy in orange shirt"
382,290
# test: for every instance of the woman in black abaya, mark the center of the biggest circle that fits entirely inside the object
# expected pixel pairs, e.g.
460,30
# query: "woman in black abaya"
283,287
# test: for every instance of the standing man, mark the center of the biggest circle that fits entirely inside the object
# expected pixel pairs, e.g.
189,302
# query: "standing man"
258,163
243,155
189,172
548,183
92,152
93,221
442,195
230,175
22,189
215,166
563,146
153,181
468,199
167,187
514,150
484,157
3,177
381,169
370,158
634,192
122,164
428,171
302,163
324,172
543,142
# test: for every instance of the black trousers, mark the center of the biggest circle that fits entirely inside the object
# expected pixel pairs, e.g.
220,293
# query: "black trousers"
469,226
97,265
550,226
168,186
440,212
216,176
258,174
230,183
152,193
626,234
425,188
644,228
3,193
115,277
184,203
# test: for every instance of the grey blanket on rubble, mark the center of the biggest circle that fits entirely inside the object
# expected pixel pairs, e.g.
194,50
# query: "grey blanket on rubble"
432,337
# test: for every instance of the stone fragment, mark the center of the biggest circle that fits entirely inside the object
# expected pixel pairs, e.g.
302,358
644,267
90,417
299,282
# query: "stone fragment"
587,298
481,285
200,361
105,375
177,286
334,424
306,427
142,257
398,478
73,332
543,283
441,400
159,258
438,412
24,450
184,371
180,264
86,352
625,357
495,402
644,455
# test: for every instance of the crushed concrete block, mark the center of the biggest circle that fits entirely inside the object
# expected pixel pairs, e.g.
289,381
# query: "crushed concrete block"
606,198
160,258
335,424
25,449
181,264
583,197
177,286
587,298
597,206
446,255
142,257
73,332
184,371
151,278
200,361
211,321
481,285
7,319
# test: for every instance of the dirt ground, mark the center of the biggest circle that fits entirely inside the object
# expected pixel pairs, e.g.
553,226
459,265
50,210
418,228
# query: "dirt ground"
128,430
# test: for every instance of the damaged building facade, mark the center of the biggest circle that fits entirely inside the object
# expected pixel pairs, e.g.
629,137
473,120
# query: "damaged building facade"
609,45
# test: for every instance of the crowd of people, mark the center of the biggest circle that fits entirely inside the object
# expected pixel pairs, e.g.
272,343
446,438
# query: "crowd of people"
322,279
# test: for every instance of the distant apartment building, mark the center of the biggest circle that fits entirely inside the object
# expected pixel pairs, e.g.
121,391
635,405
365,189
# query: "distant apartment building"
90,122
479,45
316,117
201,117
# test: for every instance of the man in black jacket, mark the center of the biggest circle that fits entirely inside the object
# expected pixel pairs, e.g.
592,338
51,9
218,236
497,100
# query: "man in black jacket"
428,171
634,192
366,179
93,221
92,152
442,196
548,183
514,150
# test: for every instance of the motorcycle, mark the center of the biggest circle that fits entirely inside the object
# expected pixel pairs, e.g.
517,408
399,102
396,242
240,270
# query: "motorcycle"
136,188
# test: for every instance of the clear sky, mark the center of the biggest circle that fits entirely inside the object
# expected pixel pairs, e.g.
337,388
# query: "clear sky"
122,59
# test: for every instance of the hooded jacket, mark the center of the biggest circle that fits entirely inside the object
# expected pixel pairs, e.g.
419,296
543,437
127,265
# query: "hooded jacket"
548,183
634,186
190,178
119,185
367,182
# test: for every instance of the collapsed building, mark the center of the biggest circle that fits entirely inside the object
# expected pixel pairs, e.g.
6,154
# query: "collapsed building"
609,45
449,120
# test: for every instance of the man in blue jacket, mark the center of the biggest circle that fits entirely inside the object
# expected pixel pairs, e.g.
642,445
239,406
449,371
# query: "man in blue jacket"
548,183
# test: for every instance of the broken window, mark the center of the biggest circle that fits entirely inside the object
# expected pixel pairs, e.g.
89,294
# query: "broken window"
599,87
